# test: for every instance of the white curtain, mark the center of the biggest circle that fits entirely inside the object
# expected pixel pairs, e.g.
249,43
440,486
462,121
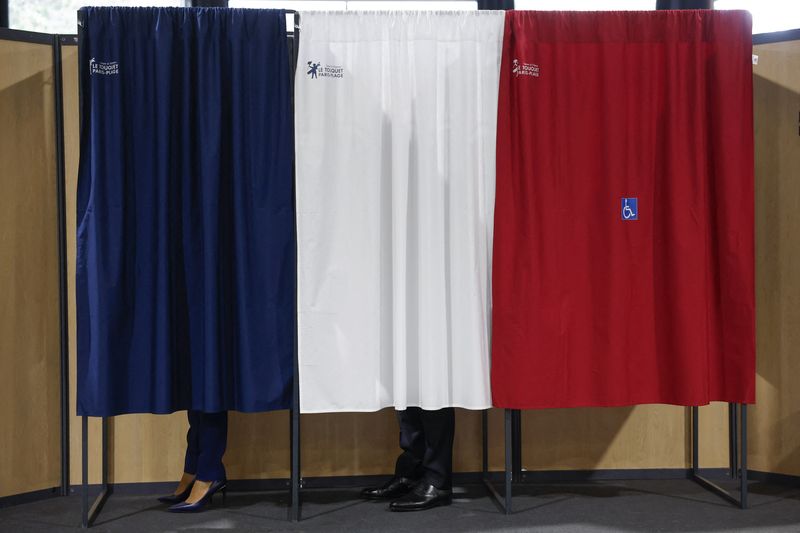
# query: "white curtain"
395,138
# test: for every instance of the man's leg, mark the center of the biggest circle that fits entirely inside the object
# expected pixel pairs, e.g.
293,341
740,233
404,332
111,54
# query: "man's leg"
412,442
439,429
408,468
435,488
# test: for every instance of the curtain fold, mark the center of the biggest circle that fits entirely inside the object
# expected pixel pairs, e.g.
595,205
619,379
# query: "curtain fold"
185,259
395,134
624,233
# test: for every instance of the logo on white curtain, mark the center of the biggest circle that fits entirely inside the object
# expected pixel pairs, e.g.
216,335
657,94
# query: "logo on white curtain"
524,69
105,68
318,70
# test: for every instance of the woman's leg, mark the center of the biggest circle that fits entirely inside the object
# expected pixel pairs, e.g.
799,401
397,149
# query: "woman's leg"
192,443
189,462
212,438
192,452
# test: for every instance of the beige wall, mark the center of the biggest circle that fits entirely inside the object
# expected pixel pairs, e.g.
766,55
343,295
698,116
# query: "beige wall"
775,431
29,322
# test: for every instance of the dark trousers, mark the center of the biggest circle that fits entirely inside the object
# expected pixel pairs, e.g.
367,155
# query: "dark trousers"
206,441
426,438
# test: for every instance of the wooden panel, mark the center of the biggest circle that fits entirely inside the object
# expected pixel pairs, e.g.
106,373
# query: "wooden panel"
775,422
30,420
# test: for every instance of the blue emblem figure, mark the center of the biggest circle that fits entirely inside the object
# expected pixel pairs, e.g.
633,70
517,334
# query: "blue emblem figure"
312,69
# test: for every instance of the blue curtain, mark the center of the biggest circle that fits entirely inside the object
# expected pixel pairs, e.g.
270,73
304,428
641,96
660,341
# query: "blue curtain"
186,248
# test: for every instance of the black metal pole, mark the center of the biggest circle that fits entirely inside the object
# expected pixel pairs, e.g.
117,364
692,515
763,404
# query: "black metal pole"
62,262
3,13
85,471
509,436
485,443
695,440
516,446
89,514
495,4
104,452
685,4
743,473
209,3
294,508
733,436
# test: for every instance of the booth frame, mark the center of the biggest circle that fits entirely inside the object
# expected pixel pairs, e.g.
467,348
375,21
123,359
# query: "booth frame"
89,513
55,42
737,452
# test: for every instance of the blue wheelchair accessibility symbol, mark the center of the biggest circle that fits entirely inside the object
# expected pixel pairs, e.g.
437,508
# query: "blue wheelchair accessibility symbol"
630,209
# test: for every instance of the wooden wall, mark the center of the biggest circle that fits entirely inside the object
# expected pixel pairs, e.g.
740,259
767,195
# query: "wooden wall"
775,431
30,423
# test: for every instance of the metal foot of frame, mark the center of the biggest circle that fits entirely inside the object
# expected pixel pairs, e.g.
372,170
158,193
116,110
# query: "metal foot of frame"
738,461
503,502
294,481
89,514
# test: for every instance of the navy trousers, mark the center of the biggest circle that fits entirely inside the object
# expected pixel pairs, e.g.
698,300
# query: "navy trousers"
206,441
426,438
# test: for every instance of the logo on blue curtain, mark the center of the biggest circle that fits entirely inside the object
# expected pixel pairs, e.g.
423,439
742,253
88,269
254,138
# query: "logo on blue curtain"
318,70
630,209
524,69
105,68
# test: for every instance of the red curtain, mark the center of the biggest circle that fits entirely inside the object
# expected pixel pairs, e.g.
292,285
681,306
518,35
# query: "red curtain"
624,241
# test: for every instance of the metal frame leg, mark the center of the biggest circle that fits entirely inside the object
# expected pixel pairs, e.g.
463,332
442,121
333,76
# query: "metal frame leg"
62,264
294,507
736,463
733,440
743,459
89,515
485,443
294,414
516,445
509,445
503,502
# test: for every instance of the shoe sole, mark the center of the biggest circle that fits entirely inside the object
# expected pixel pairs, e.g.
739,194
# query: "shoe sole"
383,498
425,508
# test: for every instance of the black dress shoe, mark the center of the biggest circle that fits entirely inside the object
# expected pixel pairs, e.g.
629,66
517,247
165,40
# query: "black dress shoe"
394,488
424,496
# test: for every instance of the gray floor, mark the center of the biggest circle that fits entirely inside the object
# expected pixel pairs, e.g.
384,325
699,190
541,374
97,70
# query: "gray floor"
675,505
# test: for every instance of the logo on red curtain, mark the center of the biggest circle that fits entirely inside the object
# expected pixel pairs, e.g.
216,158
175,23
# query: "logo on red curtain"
318,70
519,68
630,209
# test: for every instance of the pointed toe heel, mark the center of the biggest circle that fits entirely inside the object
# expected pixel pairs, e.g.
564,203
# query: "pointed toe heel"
203,502
172,499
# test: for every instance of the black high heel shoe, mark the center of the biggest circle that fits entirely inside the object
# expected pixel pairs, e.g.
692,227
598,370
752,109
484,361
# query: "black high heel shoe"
200,504
177,498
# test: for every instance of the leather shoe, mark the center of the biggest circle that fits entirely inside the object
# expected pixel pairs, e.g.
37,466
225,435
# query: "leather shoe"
424,496
216,486
394,488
